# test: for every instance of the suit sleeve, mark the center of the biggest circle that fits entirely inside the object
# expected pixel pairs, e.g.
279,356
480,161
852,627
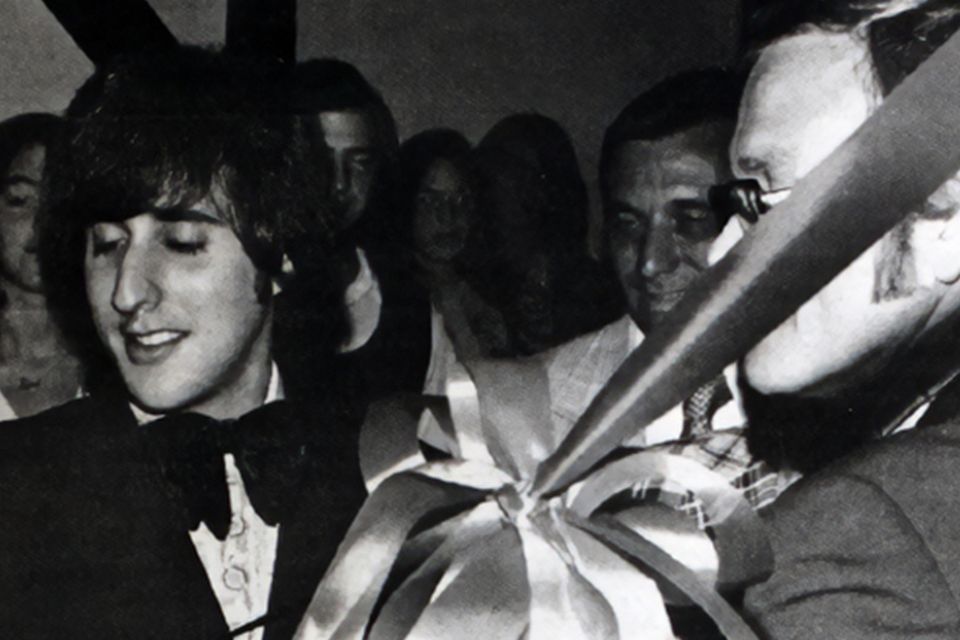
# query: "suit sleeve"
849,564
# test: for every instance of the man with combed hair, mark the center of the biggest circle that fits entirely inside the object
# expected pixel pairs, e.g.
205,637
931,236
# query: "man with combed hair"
198,491
866,548
659,158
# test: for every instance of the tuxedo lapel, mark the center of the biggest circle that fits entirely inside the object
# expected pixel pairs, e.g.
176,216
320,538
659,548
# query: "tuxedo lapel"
330,496
302,559
168,592
93,546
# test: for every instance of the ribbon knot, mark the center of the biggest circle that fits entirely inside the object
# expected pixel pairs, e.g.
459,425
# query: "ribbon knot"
517,505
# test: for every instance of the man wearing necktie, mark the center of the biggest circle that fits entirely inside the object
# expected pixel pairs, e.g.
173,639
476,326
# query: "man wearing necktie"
867,547
187,496
660,157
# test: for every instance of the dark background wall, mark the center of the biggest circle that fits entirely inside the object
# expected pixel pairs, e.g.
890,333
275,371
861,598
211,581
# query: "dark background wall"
459,63
41,67
468,63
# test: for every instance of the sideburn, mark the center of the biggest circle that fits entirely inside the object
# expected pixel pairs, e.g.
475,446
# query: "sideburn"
263,286
895,270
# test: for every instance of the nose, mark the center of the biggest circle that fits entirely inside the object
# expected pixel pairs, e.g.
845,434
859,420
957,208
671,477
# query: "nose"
30,241
135,288
660,251
33,236
341,176
445,213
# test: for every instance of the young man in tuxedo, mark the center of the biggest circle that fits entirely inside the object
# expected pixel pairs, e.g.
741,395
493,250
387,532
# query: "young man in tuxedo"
866,547
186,496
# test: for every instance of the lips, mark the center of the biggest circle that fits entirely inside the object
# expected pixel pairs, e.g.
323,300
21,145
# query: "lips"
151,347
664,300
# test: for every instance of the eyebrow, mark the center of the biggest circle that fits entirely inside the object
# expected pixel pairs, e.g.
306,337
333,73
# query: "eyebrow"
20,179
619,206
185,215
688,190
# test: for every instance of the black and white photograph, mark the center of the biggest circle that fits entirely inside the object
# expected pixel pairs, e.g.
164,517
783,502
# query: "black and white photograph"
480,319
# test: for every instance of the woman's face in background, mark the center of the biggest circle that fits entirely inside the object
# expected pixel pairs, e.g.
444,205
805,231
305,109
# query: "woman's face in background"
19,204
441,216
530,308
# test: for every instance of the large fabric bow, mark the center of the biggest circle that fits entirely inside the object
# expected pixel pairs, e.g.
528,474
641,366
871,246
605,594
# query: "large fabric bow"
271,447
456,547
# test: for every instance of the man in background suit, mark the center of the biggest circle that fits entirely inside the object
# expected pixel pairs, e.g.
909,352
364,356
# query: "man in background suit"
867,547
659,158
183,498
387,343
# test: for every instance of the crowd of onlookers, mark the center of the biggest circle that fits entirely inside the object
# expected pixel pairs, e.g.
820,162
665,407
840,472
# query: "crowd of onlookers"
193,238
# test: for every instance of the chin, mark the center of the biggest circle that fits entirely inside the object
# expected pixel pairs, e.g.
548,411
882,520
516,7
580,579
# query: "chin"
31,283
773,371
159,400
768,379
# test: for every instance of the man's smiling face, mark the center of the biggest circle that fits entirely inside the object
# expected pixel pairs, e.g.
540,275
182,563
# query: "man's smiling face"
658,224
179,304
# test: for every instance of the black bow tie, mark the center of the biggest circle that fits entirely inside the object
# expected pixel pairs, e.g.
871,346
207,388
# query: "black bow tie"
271,445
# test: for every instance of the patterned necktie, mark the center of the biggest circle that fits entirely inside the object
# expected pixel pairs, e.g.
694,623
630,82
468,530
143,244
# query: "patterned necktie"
699,408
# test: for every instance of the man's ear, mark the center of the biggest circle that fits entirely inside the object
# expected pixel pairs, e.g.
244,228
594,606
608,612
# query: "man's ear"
945,255
286,273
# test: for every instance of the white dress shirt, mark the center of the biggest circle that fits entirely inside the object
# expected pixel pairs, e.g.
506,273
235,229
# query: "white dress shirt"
6,411
575,371
363,300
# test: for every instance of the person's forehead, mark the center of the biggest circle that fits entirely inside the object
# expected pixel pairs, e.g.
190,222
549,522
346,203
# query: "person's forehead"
689,156
28,163
347,129
442,176
216,205
803,77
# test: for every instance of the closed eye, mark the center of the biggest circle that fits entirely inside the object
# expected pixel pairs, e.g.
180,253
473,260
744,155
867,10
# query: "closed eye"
106,238
364,161
694,211
104,247
190,248
628,220
16,201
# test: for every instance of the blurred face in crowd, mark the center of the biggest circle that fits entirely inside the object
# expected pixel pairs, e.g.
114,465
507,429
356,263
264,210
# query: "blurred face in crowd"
659,226
531,303
351,139
19,204
805,96
441,217
179,304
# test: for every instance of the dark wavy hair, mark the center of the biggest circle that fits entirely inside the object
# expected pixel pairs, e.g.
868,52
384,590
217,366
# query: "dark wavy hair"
900,43
26,129
544,148
179,123
673,105
21,131
531,204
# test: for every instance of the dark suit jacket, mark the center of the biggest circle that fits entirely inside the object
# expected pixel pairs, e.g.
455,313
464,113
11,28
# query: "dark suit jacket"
870,547
91,546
